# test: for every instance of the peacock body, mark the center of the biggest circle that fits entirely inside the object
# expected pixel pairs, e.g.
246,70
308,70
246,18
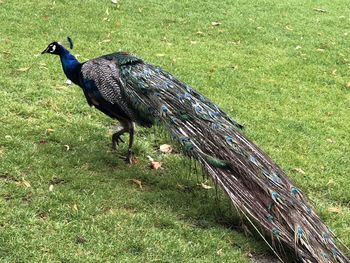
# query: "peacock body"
130,90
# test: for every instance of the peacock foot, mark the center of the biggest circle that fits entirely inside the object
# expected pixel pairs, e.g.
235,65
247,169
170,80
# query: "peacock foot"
130,158
116,139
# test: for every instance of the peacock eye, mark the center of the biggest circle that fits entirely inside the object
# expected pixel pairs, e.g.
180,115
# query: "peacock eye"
52,48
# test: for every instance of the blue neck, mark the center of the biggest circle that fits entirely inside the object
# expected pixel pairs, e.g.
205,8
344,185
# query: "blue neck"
70,64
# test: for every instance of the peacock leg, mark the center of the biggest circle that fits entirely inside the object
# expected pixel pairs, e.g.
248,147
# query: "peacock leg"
131,130
127,127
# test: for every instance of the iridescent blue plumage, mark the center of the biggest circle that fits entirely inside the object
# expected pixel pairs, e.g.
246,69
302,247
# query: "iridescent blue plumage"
132,91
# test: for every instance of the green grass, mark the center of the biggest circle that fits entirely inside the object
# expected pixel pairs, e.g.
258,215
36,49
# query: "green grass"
279,68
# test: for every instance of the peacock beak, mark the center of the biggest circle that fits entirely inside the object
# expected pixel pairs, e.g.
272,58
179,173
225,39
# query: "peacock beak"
45,51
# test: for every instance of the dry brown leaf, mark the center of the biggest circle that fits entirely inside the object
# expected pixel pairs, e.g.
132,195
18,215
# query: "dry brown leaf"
42,142
134,159
320,10
156,165
137,182
165,148
215,23
205,186
51,188
26,183
330,182
334,209
23,69
299,170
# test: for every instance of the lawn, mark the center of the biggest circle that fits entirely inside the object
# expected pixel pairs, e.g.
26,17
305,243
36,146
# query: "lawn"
281,69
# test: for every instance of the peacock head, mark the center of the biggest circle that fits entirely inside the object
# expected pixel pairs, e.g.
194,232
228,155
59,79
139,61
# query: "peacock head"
56,47
53,48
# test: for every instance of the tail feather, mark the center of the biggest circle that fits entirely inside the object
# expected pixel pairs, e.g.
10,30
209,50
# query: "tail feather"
254,183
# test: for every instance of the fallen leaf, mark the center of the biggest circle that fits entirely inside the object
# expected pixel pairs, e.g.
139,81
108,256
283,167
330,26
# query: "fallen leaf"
205,186
320,10
289,28
156,165
23,69
160,55
200,33
51,188
114,2
26,183
67,147
150,158
80,239
320,50
42,142
134,159
330,182
299,170
330,140
49,130
75,207
348,85
298,47
180,186
137,182
165,148
334,209
215,23
193,42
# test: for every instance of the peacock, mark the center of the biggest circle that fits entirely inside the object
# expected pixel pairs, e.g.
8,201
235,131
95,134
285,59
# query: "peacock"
132,91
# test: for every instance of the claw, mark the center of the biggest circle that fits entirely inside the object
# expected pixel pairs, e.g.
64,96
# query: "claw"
129,158
116,139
